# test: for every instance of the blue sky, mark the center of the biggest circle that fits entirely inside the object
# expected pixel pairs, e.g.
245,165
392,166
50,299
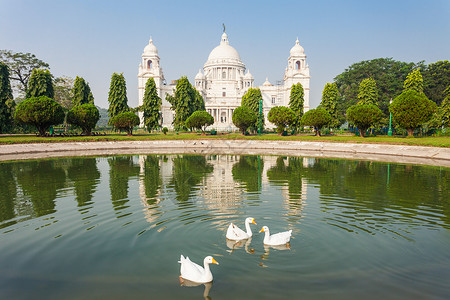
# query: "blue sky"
93,39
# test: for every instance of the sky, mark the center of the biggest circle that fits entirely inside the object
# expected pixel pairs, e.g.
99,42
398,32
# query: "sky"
94,39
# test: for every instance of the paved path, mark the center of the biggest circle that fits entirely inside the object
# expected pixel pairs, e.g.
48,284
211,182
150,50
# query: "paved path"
379,152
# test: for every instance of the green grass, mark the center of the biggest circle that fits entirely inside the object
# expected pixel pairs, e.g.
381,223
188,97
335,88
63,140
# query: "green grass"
442,141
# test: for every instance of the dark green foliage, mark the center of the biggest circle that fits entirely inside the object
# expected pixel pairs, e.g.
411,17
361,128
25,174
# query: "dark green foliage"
84,116
388,73
125,121
117,96
40,84
411,109
248,171
21,65
151,105
330,102
364,116
243,118
6,97
317,118
445,108
185,101
296,103
41,112
251,100
367,93
200,120
414,81
152,178
165,130
281,116
436,78
81,92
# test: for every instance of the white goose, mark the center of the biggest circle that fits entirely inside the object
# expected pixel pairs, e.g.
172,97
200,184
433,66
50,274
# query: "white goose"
235,233
280,238
193,272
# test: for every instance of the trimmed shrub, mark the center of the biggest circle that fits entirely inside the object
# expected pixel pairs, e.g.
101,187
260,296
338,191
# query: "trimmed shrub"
281,116
125,121
199,120
364,116
243,118
84,116
317,118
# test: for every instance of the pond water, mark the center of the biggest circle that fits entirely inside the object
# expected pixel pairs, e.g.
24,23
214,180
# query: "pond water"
114,228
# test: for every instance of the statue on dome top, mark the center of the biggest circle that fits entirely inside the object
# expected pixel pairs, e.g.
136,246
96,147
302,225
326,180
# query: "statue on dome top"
223,24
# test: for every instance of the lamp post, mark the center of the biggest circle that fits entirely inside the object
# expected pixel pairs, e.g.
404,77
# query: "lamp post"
260,115
390,120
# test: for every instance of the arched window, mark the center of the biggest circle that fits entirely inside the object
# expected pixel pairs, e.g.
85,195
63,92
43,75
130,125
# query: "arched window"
297,65
149,64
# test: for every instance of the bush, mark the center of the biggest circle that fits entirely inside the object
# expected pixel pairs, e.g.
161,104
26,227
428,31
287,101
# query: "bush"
84,116
364,116
165,130
200,120
125,121
281,116
243,118
411,109
317,118
41,112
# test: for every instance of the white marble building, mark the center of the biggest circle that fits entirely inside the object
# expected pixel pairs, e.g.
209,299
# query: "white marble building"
224,80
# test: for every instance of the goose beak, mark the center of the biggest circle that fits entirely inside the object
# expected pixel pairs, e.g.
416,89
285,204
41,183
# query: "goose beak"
215,261
262,229
253,221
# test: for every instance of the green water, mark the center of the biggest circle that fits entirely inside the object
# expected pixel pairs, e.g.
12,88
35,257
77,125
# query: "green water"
114,228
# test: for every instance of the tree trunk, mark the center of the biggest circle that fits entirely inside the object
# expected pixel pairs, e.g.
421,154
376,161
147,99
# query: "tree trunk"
410,131
362,132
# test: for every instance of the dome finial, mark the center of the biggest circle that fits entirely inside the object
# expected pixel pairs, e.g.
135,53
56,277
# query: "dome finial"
297,42
151,40
223,24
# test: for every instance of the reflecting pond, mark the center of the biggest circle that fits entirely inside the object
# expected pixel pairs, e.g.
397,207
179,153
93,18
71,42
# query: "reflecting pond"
114,228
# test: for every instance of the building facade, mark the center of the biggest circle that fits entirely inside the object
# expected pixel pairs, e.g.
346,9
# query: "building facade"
223,81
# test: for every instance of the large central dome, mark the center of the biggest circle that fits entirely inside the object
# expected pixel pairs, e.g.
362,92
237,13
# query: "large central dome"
223,52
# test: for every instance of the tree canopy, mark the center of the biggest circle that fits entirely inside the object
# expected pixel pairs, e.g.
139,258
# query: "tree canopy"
184,102
125,121
199,120
84,116
21,66
445,108
364,116
389,75
367,92
63,91
281,116
243,118
317,118
5,96
41,112
81,92
411,109
40,84
414,81
251,100
151,105
296,103
117,96
330,102
436,78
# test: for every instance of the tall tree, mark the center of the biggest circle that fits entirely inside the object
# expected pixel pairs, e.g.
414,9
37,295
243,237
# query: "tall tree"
183,102
436,78
199,102
21,66
81,92
40,84
388,73
330,100
251,100
296,103
445,108
117,96
151,105
5,96
414,81
367,92
63,91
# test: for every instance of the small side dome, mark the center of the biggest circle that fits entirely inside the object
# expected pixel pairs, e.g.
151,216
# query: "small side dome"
150,48
267,83
199,75
297,50
248,75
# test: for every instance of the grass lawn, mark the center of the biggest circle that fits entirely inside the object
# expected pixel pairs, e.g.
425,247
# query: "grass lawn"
441,141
